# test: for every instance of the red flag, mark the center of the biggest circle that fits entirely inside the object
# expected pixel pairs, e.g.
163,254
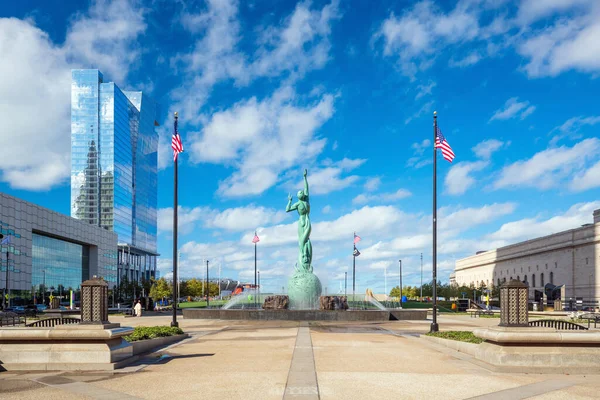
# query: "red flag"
176,144
255,239
442,143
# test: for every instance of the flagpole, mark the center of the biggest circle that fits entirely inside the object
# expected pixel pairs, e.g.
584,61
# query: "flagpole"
434,325
7,286
255,269
353,269
175,278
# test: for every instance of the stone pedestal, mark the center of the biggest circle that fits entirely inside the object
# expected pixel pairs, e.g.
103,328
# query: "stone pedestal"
540,349
304,290
64,348
278,302
333,303
94,301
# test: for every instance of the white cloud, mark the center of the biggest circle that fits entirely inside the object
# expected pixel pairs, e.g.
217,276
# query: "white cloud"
245,218
549,168
453,219
486,148
261,140
237,219
459,179
425,108
417,160
326,209
572,127
530,228
187,218
107,34
533,10
567,43
471,59
327,179
368,220
587,179
381,197
513,108
300,44
418,33
106,37
423,90
372,184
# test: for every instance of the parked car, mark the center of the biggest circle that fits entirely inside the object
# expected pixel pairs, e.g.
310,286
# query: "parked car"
41,307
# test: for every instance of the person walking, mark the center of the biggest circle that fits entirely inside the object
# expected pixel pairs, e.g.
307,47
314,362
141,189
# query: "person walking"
138,309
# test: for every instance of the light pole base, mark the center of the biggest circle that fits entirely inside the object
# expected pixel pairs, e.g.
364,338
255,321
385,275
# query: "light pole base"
434,328
174,324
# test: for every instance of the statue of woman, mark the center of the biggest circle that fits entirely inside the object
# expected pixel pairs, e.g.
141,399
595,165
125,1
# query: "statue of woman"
304,228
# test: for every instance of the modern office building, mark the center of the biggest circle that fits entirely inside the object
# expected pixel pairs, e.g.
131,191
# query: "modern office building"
114,167
570,259
51,250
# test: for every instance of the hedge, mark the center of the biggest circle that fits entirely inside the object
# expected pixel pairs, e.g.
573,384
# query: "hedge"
151,332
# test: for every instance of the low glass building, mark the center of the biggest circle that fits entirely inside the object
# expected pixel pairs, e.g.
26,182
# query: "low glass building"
50,253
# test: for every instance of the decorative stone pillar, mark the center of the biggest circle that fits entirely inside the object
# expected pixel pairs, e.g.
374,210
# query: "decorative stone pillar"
94,301
513,304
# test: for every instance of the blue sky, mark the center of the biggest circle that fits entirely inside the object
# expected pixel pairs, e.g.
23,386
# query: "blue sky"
346,89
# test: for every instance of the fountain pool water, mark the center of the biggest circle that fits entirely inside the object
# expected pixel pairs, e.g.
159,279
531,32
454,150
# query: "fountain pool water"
249,298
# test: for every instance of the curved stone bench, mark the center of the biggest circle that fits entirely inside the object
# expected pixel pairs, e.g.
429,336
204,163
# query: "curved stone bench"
533,349
65,347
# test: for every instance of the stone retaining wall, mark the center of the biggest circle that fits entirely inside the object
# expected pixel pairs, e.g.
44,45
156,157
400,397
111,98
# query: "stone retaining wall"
305,315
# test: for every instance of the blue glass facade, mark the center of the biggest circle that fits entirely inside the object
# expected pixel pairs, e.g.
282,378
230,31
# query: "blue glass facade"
114,159
85,171
146,172
115,167
57,262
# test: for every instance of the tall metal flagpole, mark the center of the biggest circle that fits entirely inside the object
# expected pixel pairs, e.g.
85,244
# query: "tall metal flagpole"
207,286
175,278
255,282
421,276
434,325
353,269
7,285
400,272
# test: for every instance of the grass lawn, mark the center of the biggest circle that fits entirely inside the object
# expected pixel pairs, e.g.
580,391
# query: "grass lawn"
461,336
201,304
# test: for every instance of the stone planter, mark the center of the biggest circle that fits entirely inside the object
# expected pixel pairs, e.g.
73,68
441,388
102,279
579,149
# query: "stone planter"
145,346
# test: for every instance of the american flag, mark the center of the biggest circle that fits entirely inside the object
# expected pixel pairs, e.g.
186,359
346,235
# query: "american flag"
442,143
176,144
356,238
255,239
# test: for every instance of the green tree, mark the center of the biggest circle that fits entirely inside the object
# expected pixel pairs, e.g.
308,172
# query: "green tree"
161,289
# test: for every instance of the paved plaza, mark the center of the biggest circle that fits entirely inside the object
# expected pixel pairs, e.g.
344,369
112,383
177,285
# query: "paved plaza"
299,360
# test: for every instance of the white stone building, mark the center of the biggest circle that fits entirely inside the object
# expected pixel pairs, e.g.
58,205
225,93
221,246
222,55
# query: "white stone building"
569,258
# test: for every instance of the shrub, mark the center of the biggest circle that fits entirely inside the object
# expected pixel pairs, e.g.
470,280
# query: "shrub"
461,336
151,332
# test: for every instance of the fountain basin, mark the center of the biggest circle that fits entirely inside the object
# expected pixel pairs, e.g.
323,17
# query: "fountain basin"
305,315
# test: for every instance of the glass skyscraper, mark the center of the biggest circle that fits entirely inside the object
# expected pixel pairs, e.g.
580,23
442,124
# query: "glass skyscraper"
114,166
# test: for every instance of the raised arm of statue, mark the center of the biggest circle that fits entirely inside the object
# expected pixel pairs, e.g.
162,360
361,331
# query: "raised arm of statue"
306,184
290,206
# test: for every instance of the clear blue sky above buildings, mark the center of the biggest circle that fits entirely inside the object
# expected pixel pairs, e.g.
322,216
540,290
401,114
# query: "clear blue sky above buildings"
344,88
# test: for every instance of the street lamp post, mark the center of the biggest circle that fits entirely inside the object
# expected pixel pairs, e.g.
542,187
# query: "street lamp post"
346,284
44,292
400,262
207,286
